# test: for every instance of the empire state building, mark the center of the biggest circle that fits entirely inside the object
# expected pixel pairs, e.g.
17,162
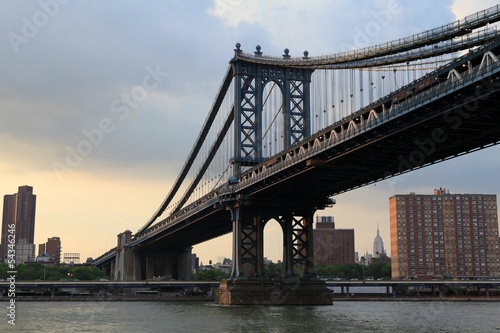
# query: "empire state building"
378,245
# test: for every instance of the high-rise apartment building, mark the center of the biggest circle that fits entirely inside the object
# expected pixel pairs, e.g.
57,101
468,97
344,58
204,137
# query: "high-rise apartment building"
18,210
444,235
53,248
332,246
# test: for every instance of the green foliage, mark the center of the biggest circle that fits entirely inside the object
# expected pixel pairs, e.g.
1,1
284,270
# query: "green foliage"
378,270
354,271
3,271
329,271
386,271
210,275
86,273
38,271
274,271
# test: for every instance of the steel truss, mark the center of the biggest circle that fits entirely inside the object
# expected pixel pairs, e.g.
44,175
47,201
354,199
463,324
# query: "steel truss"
250,80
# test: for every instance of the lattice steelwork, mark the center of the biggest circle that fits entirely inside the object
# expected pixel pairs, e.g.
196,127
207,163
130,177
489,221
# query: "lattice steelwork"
293,111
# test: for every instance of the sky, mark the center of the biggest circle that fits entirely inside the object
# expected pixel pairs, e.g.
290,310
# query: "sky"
101,102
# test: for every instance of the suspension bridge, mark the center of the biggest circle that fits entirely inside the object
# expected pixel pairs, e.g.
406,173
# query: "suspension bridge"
285,134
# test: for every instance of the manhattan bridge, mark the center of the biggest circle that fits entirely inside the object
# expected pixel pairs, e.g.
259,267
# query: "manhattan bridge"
285,134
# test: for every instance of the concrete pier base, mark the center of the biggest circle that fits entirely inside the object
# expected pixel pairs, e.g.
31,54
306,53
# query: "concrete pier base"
267,292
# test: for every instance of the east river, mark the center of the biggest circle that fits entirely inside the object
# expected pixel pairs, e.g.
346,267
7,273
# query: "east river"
200,316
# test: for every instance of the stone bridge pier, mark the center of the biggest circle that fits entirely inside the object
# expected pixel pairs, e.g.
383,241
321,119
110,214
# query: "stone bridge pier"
248,283
143,263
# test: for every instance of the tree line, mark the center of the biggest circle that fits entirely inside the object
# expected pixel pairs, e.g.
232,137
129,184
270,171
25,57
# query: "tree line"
334,271
37,271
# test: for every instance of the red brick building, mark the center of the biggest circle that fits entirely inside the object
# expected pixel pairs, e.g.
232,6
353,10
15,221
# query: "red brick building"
53,247
332,246
444,235
18,210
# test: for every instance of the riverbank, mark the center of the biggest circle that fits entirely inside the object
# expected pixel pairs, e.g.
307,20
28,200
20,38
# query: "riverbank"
153,298
417,299
98,298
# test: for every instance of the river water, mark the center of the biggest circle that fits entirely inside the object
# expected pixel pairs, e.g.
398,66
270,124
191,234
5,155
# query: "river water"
198,316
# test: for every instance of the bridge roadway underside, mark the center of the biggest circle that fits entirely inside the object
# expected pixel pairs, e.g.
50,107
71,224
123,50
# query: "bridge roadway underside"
462,122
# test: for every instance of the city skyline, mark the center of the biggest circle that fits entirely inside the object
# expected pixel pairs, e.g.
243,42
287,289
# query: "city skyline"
102,164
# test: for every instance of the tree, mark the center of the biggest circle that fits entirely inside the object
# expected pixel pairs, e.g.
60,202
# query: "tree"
329,271
210,275
86,273
274,271
386,271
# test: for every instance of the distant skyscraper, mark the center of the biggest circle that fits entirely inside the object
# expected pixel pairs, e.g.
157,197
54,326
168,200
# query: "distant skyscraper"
332,246
444,234
378,245
18,210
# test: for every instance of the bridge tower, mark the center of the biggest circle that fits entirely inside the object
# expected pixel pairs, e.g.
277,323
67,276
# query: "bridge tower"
247,283
250,79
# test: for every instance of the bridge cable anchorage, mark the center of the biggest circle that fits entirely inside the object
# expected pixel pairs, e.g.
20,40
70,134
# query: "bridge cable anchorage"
433,37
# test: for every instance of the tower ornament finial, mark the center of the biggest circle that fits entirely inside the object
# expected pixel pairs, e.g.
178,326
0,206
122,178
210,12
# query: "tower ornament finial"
286,55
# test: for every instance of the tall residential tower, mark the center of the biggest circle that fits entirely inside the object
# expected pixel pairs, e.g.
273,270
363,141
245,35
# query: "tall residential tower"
19,210
444,235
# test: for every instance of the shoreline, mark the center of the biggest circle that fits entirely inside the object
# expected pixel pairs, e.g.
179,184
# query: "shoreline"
102,299
212,299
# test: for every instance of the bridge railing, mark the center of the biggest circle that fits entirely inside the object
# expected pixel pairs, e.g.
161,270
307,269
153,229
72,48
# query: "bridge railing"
105,256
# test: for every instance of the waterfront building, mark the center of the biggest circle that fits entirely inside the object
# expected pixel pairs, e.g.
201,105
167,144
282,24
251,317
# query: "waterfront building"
378,245
53,247
18,210
444,235
332,246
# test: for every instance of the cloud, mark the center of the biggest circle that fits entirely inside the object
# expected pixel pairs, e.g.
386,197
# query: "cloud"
463,8
325,27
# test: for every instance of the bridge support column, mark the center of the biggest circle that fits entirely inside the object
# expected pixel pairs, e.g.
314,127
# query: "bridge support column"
137,266
163,263
112,269
248,253
247,283
123,267
298,251
149,267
